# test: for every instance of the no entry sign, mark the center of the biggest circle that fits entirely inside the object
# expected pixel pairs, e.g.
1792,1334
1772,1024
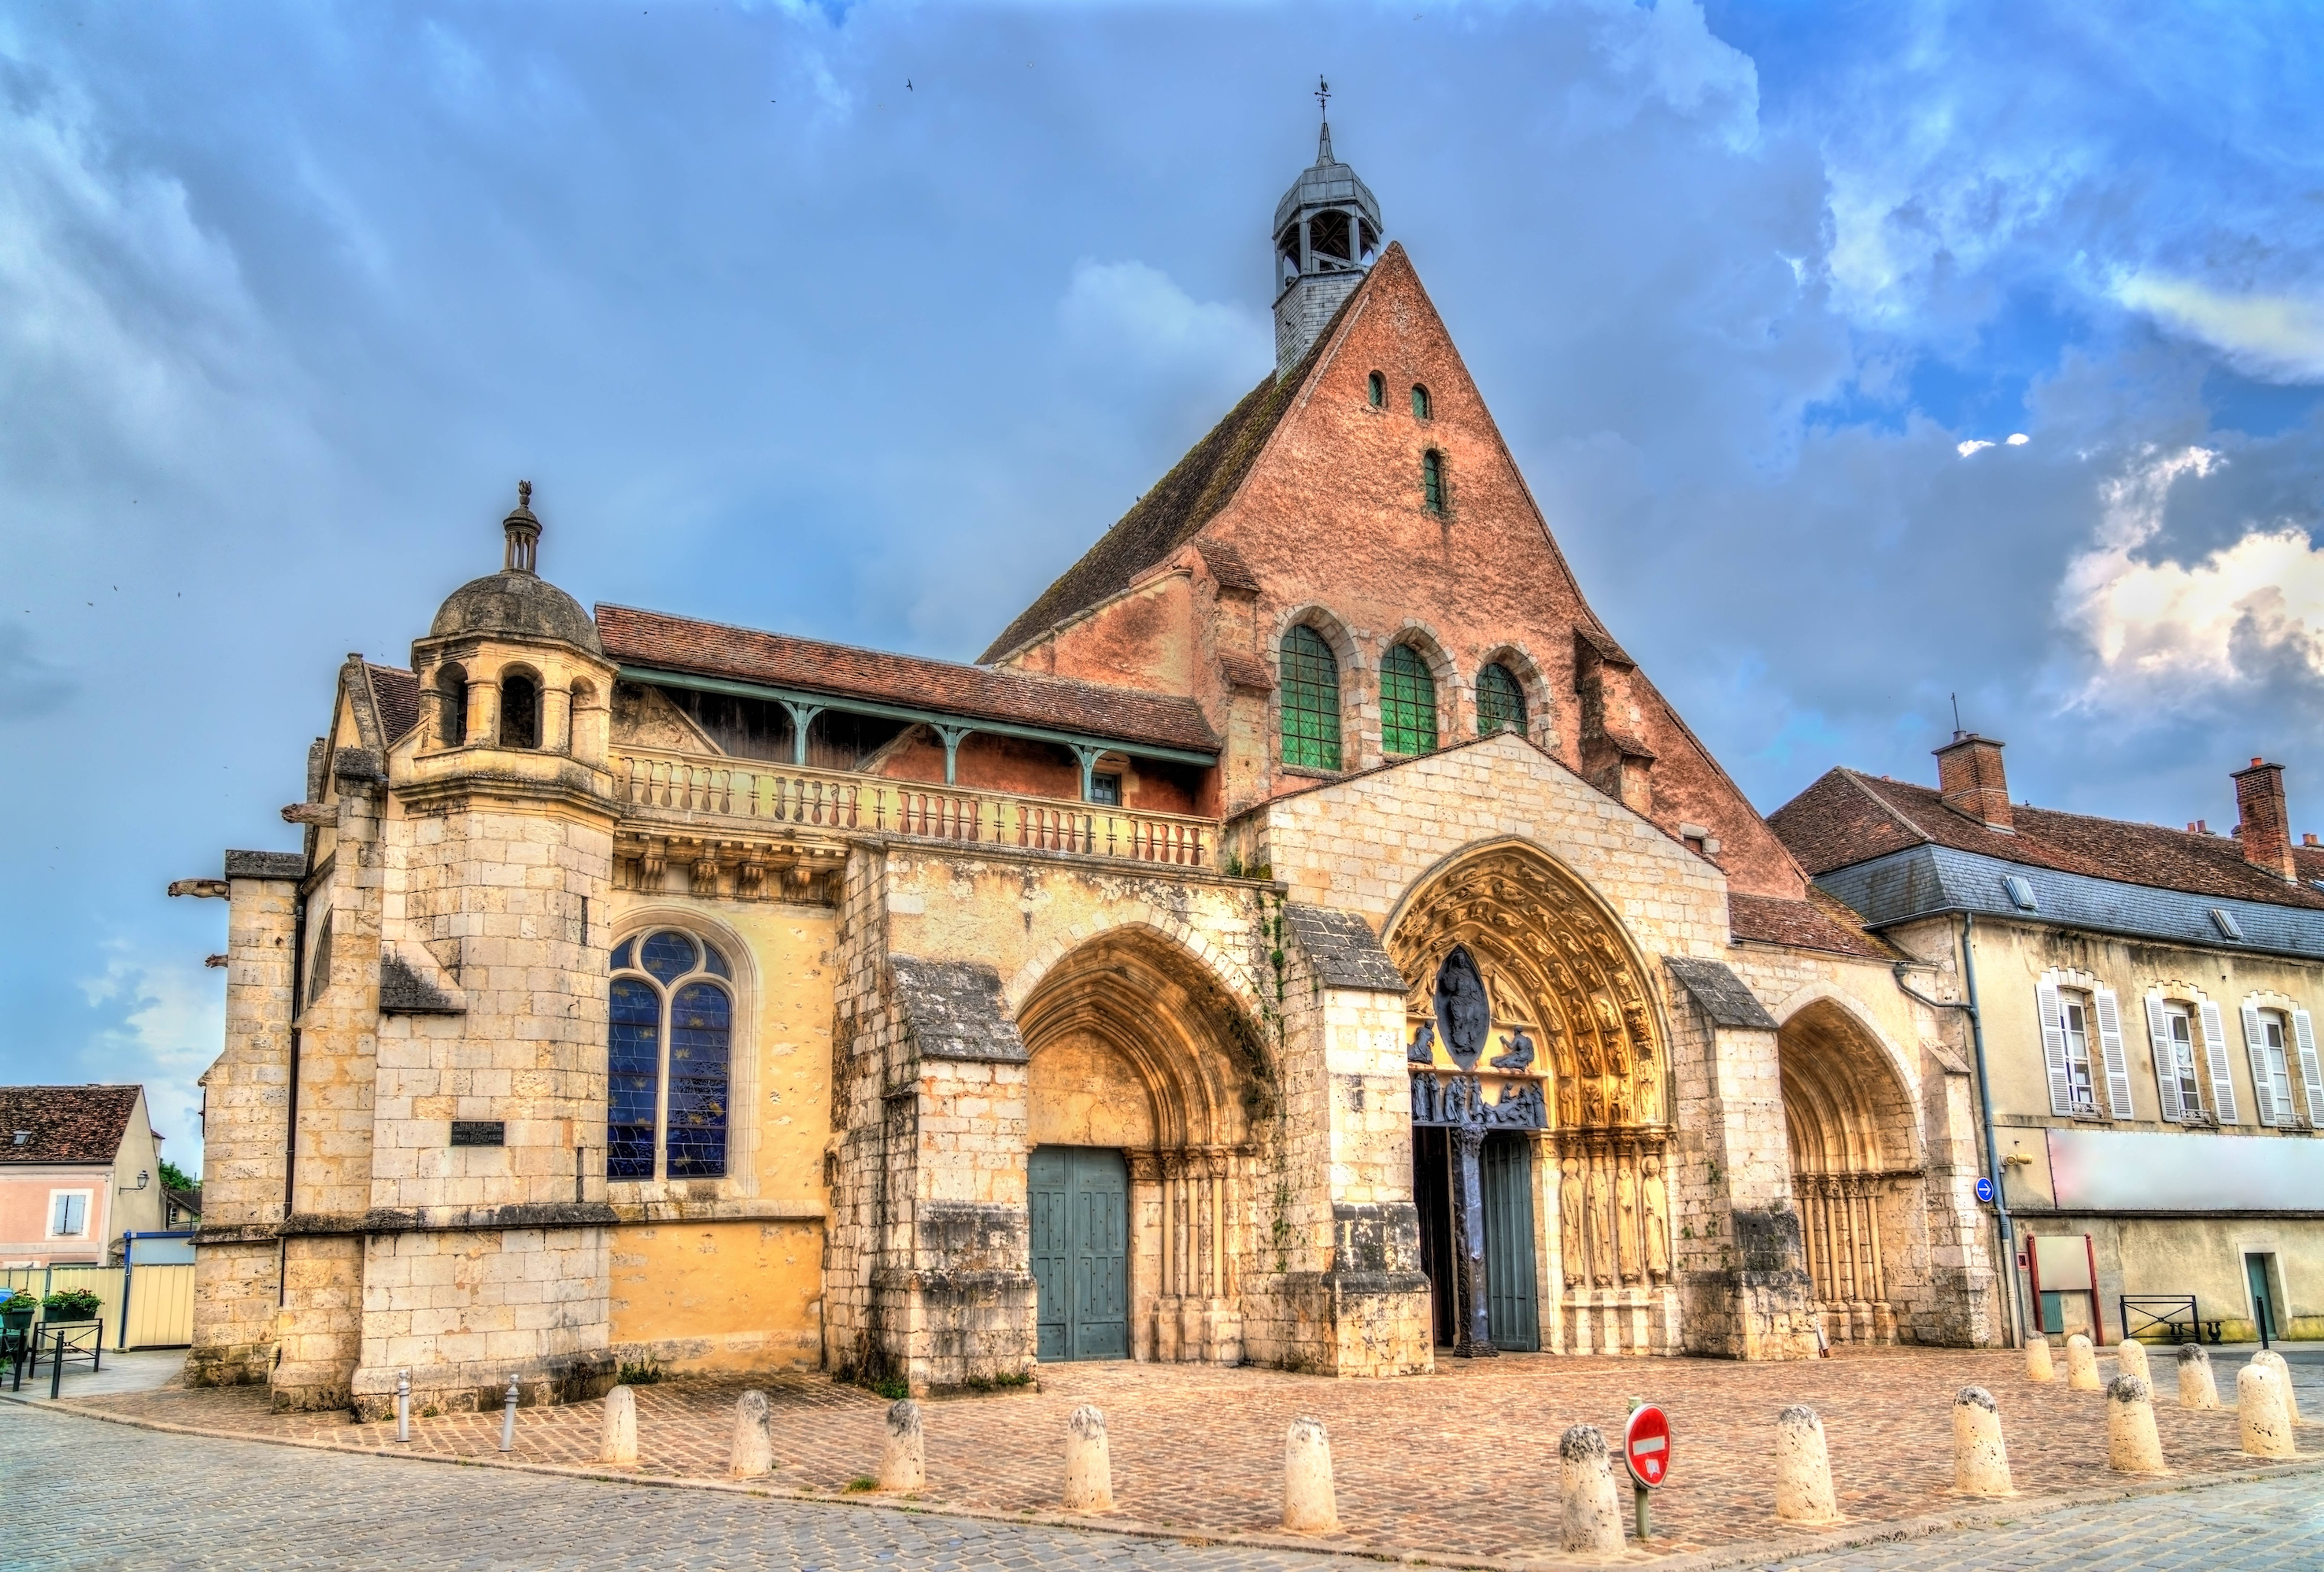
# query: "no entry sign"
1646,1445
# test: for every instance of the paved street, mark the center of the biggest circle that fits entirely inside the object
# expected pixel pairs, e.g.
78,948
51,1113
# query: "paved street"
85,1493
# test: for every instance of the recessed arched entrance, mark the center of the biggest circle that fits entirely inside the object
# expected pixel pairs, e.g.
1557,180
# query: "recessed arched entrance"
1856,1173
1573,1029
1147,1076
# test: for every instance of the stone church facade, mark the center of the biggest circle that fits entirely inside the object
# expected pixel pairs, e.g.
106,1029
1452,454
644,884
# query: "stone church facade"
1305,938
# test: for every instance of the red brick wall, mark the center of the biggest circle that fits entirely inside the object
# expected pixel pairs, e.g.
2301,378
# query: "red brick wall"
1330,516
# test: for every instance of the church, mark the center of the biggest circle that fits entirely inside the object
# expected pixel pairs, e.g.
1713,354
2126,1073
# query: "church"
1305,938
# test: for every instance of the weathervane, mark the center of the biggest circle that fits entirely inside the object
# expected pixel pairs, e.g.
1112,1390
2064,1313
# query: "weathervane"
1322,98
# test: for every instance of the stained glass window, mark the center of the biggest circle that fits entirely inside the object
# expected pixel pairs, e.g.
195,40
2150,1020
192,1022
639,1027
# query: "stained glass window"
1432,481
1408,703
668,1058
633,1073
1500,701
1311,701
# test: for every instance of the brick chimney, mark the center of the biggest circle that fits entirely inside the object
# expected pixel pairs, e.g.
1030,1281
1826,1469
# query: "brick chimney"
1970,777
2265,829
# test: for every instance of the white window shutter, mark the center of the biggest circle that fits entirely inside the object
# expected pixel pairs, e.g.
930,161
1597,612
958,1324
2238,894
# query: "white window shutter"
2166,1058
2054,1048
2214,1059
2117,1062
2262,1081
2303,1032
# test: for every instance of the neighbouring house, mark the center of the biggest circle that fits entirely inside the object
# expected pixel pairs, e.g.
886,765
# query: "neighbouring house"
185,1207
79,1166
2150,1053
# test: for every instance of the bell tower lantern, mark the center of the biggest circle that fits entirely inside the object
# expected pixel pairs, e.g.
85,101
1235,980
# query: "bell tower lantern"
1327,231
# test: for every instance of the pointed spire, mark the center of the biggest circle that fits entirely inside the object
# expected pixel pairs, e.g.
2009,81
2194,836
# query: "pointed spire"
1324,110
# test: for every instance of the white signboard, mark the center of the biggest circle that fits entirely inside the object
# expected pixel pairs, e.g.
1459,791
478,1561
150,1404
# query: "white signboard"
2108,1170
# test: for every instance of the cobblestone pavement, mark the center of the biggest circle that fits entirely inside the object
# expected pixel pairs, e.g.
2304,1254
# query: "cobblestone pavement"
111,1496
1462,1462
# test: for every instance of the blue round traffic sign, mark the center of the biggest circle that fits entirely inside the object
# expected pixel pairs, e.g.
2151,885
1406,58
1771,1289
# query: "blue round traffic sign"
1984,1190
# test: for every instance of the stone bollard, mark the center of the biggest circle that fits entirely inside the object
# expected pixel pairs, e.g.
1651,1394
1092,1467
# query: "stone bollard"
1981,1458
1591,1517
2260,1412
1309,1505
903,1459
2038,1366
753,1451
1802,1468
2197,1389
2130,1359
1089,1466
619,1446
2133,1446
2272,1360
2082,1364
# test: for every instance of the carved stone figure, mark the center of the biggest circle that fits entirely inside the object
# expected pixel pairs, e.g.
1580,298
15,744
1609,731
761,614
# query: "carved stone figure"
1626,1221
1569,1221
1518,1054
1464,1017
1655,1201
1422,1047
1600,1230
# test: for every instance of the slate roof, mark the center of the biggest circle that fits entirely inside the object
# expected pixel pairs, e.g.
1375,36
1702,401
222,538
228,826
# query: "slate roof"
65,1123
1724,997
1343,948
1818,922
397,692
953,1010
1180,503
648,638
1847,817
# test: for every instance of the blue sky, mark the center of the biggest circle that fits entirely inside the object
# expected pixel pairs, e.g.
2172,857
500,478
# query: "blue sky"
1764,296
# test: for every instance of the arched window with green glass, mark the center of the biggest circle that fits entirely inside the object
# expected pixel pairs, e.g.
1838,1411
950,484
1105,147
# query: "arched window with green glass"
1421,408
1311,701
1408,703
1432,481
1376,390
1500,701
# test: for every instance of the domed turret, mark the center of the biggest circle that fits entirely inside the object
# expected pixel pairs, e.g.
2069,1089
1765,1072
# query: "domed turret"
517,602
1327,230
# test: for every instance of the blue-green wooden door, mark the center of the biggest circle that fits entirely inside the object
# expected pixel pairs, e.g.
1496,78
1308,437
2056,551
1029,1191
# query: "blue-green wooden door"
1513,1319
1080,1200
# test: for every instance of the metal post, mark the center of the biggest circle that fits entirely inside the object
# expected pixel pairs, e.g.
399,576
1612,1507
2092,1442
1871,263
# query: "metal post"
56,1366
508,1419
403,1407
1638,1498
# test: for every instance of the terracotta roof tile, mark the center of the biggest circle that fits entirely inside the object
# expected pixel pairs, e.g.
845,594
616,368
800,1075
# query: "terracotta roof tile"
397,692
64,1123
1818,922
1228,569
647,638
1847,817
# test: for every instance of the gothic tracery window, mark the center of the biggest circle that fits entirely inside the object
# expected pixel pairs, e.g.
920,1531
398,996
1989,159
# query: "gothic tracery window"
668,1052
1408,703
1500,701
1311,701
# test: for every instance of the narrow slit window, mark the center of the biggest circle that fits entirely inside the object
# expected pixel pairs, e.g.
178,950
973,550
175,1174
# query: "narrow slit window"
1500,701
1432,481
1407,704
1376,390
1311,701
452,693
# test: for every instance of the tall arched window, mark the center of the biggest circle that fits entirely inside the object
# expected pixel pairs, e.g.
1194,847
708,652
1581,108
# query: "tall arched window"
452,693
1376,390
520,710
1432,481
1420,407
1500,701
668,1059
1408,703
1311,701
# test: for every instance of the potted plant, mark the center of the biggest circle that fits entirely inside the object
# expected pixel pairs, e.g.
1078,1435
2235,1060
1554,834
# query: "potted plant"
70,1303
16,1310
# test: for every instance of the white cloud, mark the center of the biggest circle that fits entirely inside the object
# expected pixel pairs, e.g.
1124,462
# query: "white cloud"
2277,337
2018,439
1127,308
1969,447
171,1017
2165,635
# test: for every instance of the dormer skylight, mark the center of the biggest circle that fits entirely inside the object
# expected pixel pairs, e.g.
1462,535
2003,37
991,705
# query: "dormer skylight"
2224,921
2021,892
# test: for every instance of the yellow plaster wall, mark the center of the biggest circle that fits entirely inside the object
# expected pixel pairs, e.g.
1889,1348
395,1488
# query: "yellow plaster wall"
720,1295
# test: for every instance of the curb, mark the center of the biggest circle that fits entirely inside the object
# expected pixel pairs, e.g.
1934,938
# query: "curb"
1847,1538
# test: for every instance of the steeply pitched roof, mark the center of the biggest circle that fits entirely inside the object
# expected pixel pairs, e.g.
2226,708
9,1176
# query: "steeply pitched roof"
397,693
1818,922
1181,503
654,639
1847,817
64,1123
